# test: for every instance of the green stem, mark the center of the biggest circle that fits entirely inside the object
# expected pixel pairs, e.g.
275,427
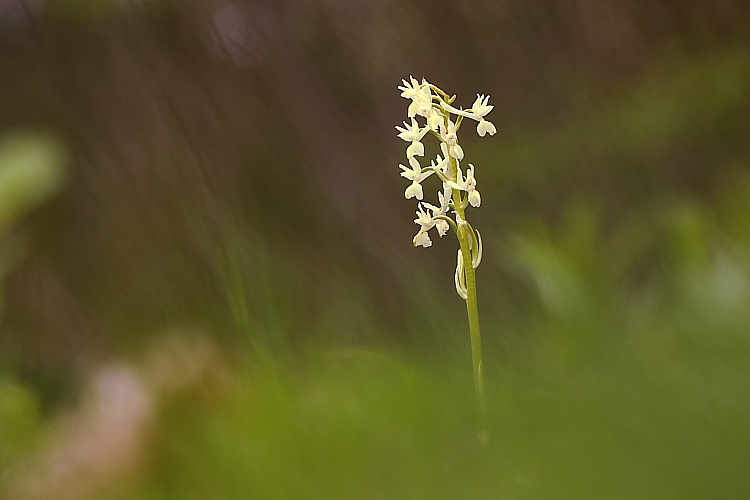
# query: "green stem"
472,310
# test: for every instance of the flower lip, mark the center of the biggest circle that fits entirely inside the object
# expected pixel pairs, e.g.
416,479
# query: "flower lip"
422,239
416,148
414,190
485,127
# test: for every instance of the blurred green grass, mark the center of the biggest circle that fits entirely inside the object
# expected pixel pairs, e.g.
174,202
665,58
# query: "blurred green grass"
653,416
659,416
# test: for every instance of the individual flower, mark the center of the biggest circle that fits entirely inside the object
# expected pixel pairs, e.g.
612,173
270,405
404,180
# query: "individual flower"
426,222
414,134
449,136
444,199
469,184
421,102
478,111
416,176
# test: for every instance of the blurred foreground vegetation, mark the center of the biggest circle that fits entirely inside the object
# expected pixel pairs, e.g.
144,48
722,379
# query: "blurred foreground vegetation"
196,306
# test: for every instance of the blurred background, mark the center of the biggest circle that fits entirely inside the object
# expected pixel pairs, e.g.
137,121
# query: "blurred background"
208,283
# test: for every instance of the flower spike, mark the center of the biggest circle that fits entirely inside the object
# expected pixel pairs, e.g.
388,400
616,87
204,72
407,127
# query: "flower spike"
431,110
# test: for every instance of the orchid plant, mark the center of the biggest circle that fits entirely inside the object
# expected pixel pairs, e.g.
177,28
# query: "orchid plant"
458,192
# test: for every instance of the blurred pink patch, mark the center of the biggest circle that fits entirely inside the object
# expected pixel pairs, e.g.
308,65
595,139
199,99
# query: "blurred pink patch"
99,443
104,443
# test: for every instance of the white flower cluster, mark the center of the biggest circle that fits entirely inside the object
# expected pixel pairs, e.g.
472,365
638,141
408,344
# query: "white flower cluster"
434,105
